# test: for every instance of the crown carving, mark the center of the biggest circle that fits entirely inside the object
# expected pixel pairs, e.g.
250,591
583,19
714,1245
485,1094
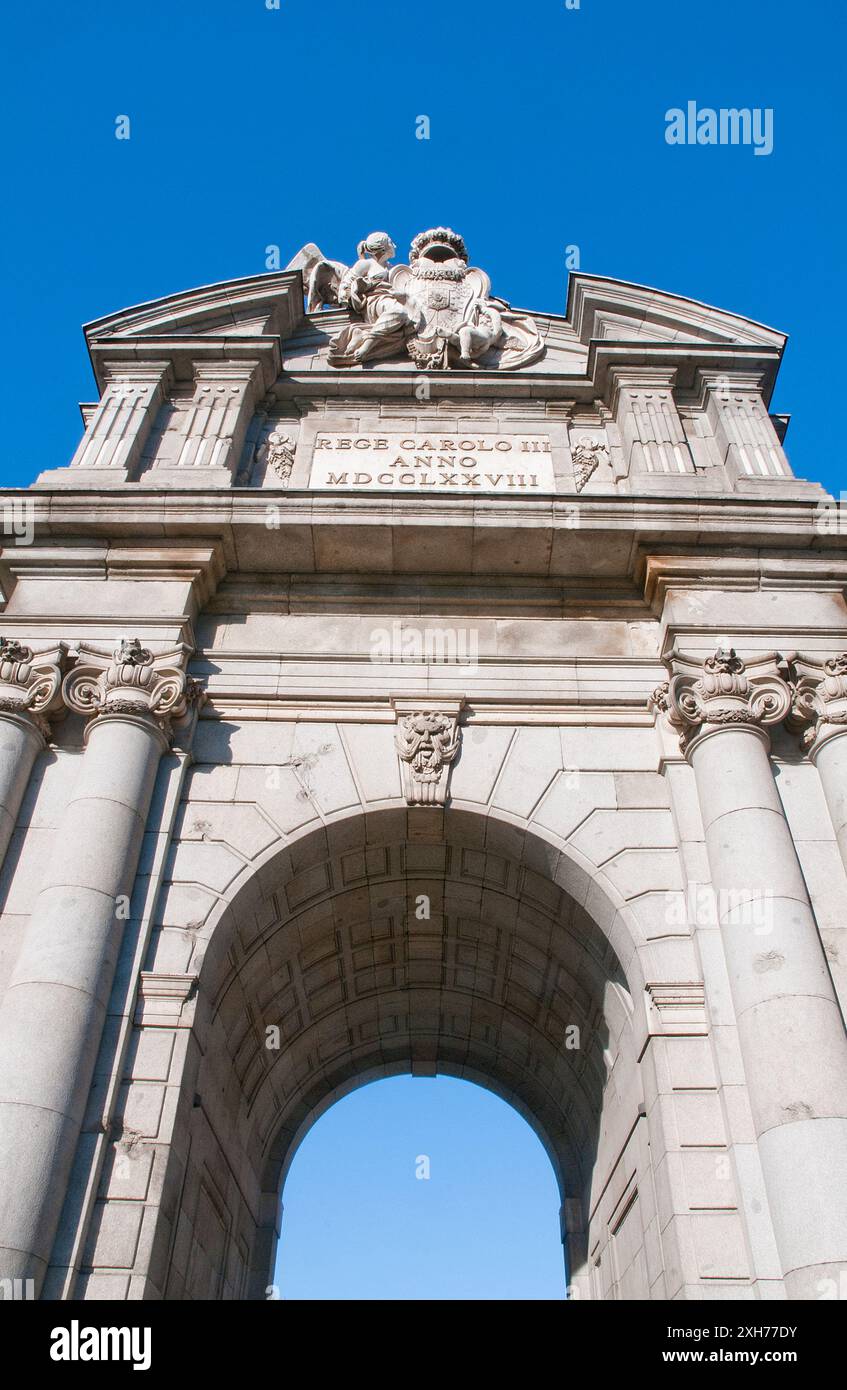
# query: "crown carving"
438,237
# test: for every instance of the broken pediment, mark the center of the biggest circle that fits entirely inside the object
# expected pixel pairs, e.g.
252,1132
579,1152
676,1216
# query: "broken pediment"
255,382
435,313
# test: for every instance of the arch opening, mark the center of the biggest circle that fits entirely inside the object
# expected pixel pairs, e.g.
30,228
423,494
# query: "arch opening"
396,943
420,1188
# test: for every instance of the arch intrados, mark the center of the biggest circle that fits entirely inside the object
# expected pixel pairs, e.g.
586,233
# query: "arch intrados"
527,1091
282,1153
549,856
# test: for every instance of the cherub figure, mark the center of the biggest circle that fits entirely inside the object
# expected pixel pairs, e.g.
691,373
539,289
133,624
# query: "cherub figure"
483,329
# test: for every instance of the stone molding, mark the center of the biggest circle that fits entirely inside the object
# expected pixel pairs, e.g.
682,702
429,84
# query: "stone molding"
677,1010
704,695
162,997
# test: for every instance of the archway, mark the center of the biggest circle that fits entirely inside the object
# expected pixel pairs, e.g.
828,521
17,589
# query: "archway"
416,1188
389,942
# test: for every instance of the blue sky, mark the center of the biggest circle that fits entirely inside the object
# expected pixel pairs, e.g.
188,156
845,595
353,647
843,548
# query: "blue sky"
253,127
358,1223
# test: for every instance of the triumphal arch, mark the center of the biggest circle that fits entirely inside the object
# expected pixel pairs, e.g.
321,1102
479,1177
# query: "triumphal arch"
398,681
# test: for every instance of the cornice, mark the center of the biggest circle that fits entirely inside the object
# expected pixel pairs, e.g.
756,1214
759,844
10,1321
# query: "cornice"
196,562
159,632
599,536
358,709
591,295
687,361
706,566
182,354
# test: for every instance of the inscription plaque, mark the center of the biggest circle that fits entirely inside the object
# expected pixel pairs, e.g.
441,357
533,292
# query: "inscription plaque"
492,463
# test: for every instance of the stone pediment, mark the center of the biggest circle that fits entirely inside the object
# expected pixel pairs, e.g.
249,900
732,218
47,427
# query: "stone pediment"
258,303
600,308
252,313
262,381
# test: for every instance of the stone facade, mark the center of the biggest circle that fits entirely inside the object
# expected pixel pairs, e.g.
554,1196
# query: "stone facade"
415,684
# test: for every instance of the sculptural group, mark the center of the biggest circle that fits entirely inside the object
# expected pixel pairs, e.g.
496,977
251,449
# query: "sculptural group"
437,310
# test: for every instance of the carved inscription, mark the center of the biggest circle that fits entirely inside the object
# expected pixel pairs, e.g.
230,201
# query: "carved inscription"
433,463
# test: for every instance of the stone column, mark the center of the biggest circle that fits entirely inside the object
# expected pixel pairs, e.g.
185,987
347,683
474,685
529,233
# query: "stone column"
789,1023
575,1240
29,687
52,1013
820,707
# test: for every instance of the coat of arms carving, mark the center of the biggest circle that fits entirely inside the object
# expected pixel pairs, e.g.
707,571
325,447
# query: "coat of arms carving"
437,310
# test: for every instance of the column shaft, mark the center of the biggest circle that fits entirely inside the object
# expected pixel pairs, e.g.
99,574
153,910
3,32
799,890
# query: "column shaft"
830,758
53,1011
789,1023
20,743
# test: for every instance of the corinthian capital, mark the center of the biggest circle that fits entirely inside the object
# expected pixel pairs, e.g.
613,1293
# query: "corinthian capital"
30,684
819,697
131,681
702,695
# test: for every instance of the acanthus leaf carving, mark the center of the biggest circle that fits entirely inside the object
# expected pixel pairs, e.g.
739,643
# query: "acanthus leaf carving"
818,697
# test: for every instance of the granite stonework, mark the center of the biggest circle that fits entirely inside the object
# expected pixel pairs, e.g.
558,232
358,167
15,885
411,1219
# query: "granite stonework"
407,683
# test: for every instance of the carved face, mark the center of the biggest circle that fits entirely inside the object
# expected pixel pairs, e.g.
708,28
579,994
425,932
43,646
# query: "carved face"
428,742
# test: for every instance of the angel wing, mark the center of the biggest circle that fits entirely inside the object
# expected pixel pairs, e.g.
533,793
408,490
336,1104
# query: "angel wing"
321,277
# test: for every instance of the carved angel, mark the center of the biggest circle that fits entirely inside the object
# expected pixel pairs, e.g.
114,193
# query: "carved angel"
482,329
386,317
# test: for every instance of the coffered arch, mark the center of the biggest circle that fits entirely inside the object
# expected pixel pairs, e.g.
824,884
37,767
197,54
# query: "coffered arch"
388,942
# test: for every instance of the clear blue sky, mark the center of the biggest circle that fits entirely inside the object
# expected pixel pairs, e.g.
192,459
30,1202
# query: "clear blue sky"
253,126
358,1223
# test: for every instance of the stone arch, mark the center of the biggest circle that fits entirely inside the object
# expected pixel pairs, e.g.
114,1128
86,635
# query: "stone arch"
526,940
